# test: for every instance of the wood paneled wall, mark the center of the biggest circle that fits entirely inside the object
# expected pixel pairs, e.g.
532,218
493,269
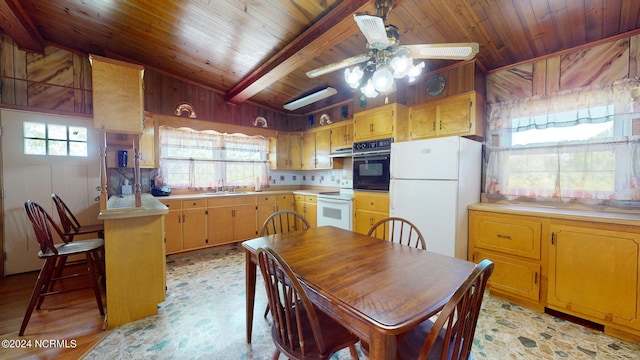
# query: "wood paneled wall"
58,80
588,66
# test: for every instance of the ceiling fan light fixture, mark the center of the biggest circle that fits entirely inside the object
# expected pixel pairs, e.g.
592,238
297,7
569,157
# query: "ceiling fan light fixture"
383,79
401,66
415,71
311,98
353,76
368,90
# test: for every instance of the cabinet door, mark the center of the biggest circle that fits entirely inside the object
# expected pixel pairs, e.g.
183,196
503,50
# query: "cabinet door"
311,213
194,228
244,222
282,151
342,137
284,202
364,219
454,116
173,231
147,144
422,121
593,273
323,148
512,276
265,207
220,225
295,151
118,95
309,151
375,123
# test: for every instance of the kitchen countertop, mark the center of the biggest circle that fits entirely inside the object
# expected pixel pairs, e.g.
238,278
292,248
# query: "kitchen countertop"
124,207
213,195
612,216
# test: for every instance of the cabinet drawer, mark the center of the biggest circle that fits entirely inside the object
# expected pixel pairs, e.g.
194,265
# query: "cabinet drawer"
305,198
231,200
286,197
511,234
512,276
372,202
172,204
192,204
266,198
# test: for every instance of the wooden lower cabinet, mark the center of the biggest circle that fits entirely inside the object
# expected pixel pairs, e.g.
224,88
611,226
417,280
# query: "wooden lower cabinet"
268,204
185,225
513,243
585,264
231,219
594,273
368,209
307,206
210,221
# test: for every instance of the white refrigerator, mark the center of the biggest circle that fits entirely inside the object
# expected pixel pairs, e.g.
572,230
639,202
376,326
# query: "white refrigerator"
432,183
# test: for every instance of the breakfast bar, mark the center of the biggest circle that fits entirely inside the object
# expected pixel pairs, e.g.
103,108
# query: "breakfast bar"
134,258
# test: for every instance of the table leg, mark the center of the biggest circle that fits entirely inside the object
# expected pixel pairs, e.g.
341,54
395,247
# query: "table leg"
250,267
382,346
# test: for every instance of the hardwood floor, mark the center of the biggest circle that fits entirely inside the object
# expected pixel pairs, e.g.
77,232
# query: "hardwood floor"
66,327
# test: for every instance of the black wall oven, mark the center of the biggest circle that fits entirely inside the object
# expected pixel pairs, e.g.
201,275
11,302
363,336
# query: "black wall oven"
371,161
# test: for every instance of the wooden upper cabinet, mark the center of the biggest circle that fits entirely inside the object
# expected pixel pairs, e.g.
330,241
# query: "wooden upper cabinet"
309,150
342,136
381,122
454,115
118,95
323,148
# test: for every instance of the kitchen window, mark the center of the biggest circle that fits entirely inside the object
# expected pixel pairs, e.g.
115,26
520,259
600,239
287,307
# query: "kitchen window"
202,160
54,139
576,146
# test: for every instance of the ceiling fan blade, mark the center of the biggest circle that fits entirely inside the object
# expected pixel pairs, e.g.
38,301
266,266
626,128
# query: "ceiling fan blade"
449,51
373,29
338,65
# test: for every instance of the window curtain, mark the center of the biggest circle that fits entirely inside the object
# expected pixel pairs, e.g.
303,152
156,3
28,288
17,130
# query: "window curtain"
592,171
209,160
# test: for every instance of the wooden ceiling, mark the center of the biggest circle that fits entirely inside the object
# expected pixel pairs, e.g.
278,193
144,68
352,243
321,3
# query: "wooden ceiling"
260,50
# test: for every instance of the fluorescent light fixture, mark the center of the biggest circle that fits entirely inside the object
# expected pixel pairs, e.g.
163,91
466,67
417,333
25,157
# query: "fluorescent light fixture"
311,98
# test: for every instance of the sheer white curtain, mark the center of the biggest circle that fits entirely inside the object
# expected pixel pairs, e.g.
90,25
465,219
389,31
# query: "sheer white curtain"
208,159
562,163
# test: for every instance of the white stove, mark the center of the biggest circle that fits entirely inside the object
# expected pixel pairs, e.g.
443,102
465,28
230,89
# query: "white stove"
335,207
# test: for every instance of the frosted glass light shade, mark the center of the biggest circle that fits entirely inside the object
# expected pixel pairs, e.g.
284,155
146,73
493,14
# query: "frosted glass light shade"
383,79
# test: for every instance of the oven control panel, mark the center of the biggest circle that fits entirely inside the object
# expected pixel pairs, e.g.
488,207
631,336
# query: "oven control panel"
372,145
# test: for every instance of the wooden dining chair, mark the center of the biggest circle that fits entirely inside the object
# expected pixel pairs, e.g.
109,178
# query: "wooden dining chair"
54,256
70,224
284,221
451,335
398,230
299,329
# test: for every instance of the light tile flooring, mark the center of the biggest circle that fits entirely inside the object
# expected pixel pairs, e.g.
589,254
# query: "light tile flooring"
203,318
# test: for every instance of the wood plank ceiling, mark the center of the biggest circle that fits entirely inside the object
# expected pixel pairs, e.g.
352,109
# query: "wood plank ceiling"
260,50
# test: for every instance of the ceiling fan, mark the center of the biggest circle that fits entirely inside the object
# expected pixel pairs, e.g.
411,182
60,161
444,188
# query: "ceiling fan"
385,58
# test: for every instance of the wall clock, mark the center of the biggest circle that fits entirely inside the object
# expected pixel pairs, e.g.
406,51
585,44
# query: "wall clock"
436,85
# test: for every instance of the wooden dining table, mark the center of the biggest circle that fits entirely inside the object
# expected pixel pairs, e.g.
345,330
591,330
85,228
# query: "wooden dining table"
375,288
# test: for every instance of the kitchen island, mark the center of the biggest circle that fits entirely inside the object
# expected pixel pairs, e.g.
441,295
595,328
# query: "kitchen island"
134,258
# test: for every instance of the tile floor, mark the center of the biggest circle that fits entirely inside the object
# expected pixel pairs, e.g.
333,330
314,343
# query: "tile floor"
203,318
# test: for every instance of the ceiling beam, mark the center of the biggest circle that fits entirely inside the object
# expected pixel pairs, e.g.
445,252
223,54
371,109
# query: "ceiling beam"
332,28
19,27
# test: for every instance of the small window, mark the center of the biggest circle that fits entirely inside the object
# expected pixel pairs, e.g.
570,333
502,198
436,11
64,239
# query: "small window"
54,140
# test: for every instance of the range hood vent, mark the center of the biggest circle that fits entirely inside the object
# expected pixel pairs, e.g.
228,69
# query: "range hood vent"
343,152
